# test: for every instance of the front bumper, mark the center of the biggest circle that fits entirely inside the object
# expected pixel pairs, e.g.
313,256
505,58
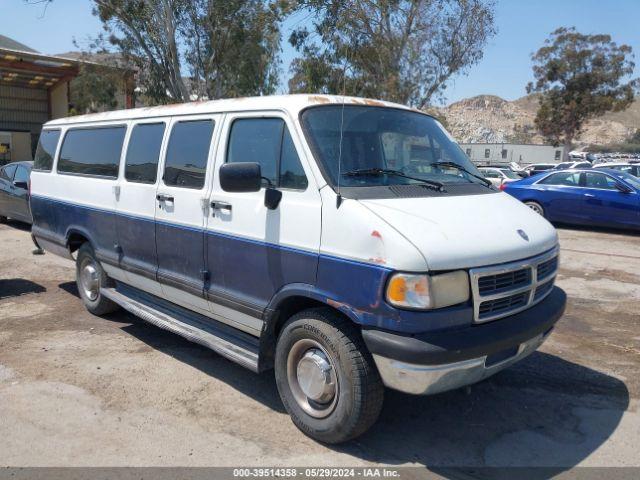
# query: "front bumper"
435,362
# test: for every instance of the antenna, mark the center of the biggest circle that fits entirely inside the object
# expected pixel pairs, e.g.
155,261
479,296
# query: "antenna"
344,88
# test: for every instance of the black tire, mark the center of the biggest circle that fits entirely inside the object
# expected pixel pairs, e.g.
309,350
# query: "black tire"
359,389
536,207
3,219
98,304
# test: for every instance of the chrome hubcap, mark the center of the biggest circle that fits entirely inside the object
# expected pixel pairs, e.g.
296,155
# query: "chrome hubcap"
312,378
535,208
90,280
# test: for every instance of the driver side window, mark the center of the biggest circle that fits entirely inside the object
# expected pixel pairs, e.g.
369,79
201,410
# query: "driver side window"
267,141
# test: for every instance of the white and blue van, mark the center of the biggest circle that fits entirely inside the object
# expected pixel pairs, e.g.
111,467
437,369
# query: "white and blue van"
347,243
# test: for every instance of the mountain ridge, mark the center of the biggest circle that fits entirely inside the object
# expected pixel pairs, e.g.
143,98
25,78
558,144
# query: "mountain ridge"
492,119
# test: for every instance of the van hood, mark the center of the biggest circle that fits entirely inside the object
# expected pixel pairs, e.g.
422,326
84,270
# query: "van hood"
469,230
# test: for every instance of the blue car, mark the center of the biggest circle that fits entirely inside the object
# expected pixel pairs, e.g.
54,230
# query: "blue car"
602,198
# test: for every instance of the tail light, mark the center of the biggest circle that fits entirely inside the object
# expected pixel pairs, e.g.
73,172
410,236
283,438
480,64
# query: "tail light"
503,186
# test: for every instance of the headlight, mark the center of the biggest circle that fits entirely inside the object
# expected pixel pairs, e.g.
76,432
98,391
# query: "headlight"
422,291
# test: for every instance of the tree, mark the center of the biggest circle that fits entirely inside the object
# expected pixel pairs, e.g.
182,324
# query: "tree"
232,47
400,50
580,77
146,33
94,89
228,47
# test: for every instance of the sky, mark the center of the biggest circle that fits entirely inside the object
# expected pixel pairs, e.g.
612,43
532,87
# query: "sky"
505,69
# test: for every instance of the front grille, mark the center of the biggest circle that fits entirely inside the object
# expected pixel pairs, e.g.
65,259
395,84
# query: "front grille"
547,268
502,290
504,304
542,290
504,281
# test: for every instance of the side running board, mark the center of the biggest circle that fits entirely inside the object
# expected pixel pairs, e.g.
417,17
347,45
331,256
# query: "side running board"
233,344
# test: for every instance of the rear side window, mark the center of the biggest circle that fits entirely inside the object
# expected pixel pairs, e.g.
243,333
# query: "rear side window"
187,154
568,179
143,152
22,174
7,172
92,151
46,150
267,141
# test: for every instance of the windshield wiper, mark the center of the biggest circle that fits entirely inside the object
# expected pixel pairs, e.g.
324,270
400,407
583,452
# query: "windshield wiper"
462,169
438,186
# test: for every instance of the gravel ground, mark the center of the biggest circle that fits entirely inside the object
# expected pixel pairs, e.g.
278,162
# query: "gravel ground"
78,390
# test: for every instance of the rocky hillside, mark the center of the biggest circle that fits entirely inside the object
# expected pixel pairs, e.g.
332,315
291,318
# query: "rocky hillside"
491,119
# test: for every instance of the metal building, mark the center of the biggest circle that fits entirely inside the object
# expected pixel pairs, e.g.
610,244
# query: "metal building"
505,153
34,88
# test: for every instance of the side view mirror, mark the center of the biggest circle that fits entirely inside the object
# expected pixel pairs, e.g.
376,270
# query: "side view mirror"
241,177
23,185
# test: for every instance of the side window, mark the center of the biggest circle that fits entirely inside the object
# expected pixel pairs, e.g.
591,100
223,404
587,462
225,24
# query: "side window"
599,180
187,154
257,140
7,173
267,141
568,179
92,151
46,150
291,172
143,152
22,174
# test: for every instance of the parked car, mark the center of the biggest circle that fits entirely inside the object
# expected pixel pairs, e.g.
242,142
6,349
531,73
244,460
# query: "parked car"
597,197
570,165
14,192
239,225
499,176
630,168
536,168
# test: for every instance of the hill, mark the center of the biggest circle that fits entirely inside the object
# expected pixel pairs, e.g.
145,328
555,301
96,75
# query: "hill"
491,119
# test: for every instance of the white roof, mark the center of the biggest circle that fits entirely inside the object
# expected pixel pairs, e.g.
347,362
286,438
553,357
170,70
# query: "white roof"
291,103
612,164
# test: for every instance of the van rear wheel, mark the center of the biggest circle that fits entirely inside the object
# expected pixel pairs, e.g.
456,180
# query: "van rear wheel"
326,378
90,278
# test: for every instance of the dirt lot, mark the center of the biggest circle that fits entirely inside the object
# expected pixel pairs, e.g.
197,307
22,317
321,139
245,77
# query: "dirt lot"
81,390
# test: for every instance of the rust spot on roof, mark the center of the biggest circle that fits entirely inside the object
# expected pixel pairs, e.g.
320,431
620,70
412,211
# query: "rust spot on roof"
373,103
319,99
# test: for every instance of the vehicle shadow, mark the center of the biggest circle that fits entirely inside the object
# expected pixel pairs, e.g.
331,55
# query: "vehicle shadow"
18,225
544,412
14,287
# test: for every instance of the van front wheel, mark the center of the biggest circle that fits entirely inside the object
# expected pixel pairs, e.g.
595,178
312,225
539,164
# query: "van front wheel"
90,278
326,378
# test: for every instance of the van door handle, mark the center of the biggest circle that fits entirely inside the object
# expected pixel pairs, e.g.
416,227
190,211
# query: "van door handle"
163,197
221,206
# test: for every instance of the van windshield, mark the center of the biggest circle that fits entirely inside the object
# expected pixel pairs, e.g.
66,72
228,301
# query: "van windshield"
384,146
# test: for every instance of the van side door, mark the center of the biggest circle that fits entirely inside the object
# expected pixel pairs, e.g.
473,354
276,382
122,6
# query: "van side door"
181,207
260,250
136,204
